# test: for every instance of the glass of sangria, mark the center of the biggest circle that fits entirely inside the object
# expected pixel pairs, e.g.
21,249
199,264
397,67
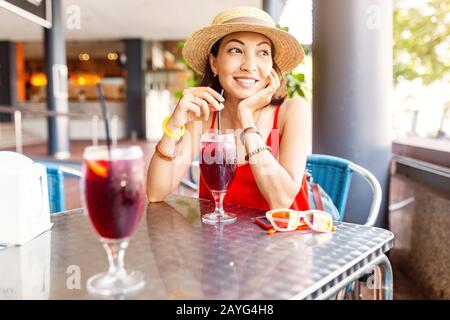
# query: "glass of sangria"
218,163
113,194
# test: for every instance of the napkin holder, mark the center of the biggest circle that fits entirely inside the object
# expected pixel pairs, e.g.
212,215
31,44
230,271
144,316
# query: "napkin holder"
24,204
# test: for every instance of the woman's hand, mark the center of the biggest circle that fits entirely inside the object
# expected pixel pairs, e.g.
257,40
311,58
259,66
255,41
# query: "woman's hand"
262,98
196,103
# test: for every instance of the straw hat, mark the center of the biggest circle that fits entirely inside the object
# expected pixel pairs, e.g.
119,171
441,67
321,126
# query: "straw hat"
288,51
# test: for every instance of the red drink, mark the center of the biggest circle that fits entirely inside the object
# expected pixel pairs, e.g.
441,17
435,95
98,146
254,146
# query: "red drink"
217,167
114,195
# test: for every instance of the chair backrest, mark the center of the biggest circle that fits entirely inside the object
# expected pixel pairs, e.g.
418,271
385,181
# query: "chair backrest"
334,175
55,180
56,193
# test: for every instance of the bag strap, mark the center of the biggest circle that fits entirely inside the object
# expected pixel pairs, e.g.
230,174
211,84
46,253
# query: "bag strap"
308,175
317,197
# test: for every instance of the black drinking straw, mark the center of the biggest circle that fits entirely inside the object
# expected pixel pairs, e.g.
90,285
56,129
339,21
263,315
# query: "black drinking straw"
105,116
218,114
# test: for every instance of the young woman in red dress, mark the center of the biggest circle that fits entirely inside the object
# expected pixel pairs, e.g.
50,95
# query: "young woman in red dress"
245,55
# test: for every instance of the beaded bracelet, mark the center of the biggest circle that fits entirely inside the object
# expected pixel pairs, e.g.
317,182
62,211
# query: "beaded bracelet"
247,157
173,136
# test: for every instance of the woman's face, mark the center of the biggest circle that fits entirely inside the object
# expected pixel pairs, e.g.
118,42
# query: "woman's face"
243,63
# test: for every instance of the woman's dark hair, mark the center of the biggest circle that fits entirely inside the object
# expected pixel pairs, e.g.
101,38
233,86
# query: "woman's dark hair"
208,79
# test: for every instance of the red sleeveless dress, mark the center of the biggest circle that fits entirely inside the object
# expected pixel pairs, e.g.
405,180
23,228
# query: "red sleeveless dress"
244,191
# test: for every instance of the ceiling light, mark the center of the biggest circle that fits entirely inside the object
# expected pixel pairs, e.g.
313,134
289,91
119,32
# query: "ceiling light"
112,56
83,57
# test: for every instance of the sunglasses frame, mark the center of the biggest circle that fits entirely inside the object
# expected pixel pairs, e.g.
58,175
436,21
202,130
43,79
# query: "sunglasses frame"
295,222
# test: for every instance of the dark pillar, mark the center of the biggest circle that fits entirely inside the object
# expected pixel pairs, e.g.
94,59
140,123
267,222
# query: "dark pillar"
8,92
352,83
57,97
135,67
274,8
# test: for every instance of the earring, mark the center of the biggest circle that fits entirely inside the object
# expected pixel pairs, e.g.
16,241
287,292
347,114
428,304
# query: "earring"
215,75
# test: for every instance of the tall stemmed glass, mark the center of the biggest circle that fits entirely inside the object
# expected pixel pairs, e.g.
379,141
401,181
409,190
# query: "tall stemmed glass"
218,167
113,194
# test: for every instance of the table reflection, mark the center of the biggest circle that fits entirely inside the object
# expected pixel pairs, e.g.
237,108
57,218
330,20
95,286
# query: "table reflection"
25,269
200,261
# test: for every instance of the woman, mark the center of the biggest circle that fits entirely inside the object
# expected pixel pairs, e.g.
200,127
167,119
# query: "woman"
244,54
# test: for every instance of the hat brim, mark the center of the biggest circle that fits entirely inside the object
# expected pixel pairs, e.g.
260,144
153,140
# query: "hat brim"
288,51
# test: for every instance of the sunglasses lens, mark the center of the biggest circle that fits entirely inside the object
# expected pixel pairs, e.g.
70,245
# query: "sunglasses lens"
320,221
281,219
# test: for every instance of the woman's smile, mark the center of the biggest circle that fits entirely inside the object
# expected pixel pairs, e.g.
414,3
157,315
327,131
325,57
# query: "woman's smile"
246,82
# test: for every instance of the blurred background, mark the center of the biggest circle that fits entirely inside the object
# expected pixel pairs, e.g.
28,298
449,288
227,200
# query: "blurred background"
95,51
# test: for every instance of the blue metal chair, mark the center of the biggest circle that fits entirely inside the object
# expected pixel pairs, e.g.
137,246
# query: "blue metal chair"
55,181
56,194
334,175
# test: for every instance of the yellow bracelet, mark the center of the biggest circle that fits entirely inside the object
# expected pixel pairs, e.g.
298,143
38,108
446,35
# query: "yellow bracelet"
174,136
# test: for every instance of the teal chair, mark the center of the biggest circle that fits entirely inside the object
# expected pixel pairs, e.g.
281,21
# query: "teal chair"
55,181
334,175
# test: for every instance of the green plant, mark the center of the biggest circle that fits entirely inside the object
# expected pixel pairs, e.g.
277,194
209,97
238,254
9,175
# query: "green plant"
193,80
421,41
295,83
